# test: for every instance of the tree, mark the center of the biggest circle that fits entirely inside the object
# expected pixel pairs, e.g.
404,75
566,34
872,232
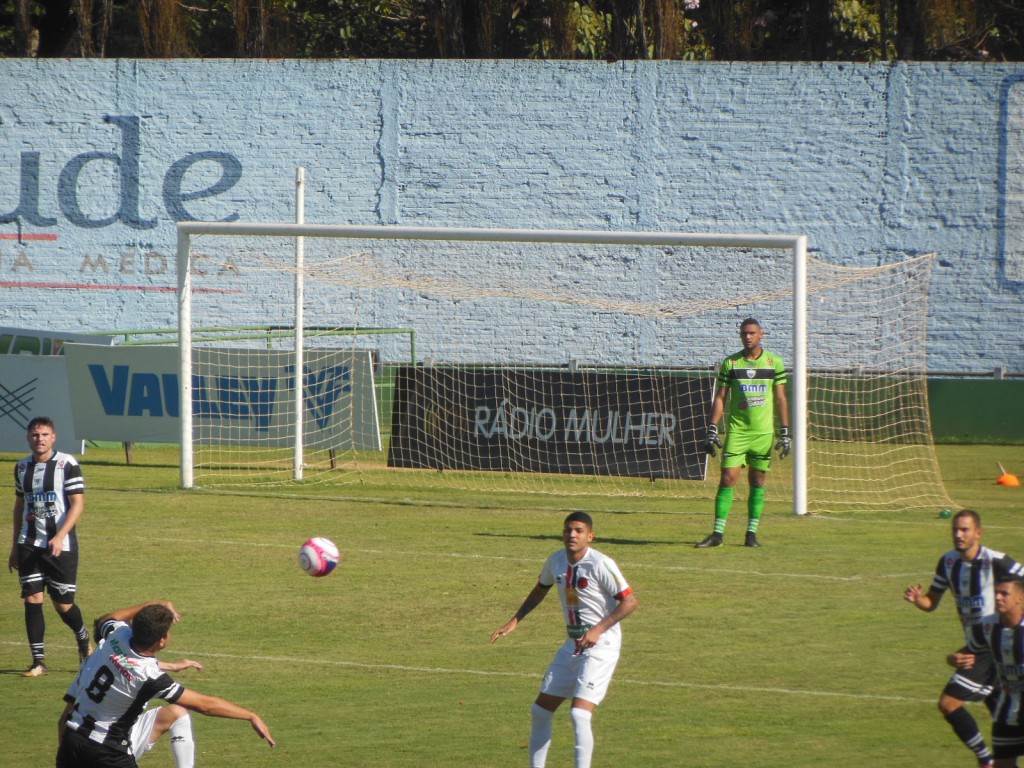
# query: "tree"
760,30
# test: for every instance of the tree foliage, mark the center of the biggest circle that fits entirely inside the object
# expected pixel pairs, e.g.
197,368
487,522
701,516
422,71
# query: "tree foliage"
758,30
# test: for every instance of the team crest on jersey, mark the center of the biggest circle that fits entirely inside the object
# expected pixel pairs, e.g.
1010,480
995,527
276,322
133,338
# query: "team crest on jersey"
582,584
751,373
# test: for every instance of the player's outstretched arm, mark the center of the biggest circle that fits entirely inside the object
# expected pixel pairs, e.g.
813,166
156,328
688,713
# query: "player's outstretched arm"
536,596
213,706
178,666
127,614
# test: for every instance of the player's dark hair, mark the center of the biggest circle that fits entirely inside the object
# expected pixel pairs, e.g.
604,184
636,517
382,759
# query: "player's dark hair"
580,517
41,421
968,513
750,321
1017,582
151,625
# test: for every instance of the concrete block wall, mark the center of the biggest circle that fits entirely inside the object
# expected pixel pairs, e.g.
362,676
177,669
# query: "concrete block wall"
874,163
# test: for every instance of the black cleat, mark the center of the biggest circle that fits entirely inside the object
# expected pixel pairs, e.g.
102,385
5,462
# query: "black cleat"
751,540
714,540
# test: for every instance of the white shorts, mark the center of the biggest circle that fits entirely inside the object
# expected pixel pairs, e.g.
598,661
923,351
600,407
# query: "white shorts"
142,731
582,676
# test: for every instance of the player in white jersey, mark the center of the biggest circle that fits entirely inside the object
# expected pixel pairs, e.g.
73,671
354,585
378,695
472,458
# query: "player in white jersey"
116,683
595,597
49,497
970,571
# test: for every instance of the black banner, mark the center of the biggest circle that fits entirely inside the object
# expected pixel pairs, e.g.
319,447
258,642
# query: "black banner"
545,420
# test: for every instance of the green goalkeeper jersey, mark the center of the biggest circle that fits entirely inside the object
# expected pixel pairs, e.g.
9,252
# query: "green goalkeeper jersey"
751,385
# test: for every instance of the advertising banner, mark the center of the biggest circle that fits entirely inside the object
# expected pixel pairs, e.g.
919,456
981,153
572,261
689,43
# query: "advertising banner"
24,341
240,396
35,385
569,422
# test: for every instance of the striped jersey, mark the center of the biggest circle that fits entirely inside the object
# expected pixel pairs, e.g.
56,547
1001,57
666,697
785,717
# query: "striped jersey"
973,583
113,688
589,590
751,385
1006,645
45,487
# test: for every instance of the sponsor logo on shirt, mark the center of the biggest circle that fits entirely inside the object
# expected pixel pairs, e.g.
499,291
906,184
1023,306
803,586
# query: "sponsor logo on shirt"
41,497
125,665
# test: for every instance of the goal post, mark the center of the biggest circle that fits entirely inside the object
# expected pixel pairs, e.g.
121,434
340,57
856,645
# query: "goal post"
796,245
570,362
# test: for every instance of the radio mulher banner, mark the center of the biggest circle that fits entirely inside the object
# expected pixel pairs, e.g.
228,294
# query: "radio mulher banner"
539,420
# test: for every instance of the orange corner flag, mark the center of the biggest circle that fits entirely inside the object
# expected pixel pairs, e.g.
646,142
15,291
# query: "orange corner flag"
1010,481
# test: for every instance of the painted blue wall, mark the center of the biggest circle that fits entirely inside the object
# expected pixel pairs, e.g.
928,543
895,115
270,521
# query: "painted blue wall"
874,163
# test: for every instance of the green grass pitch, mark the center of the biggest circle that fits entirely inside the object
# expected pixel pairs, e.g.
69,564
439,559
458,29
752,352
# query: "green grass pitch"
801,653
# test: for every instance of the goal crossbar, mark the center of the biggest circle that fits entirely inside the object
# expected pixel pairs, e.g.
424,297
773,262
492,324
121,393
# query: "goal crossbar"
796,244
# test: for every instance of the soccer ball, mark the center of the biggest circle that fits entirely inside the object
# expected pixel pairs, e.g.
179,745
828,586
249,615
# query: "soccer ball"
318,556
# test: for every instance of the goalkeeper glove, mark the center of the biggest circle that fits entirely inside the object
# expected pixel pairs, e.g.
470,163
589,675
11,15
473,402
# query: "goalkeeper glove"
785,443
711,441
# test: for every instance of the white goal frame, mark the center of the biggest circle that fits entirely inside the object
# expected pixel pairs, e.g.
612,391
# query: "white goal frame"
796,244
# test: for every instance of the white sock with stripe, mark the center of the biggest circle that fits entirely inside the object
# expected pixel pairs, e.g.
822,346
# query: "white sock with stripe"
182,745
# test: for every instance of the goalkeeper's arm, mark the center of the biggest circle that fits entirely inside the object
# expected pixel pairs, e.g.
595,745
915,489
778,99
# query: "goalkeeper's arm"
785,444
711,439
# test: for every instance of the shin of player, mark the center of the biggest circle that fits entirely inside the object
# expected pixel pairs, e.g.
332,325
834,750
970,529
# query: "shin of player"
173,720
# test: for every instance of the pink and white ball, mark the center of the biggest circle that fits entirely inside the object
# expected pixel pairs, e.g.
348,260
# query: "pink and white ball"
318,557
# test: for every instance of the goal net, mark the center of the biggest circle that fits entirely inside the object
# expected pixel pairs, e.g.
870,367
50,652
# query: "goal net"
561,362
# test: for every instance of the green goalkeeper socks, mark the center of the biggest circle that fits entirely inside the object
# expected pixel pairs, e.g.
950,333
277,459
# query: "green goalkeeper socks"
723,503
755,506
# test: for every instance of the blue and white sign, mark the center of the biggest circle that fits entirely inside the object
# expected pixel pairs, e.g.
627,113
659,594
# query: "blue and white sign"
242,396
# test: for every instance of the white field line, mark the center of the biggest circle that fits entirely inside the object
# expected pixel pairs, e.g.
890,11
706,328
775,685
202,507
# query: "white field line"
524,675
305,661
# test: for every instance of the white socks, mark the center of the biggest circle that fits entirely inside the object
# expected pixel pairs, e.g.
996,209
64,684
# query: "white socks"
182,746
540,735
584,736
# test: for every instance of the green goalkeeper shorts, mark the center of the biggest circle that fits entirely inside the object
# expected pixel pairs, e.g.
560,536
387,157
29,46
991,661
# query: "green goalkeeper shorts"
743,449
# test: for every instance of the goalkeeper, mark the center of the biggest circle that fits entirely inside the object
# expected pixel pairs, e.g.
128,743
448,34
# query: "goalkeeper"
754,380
